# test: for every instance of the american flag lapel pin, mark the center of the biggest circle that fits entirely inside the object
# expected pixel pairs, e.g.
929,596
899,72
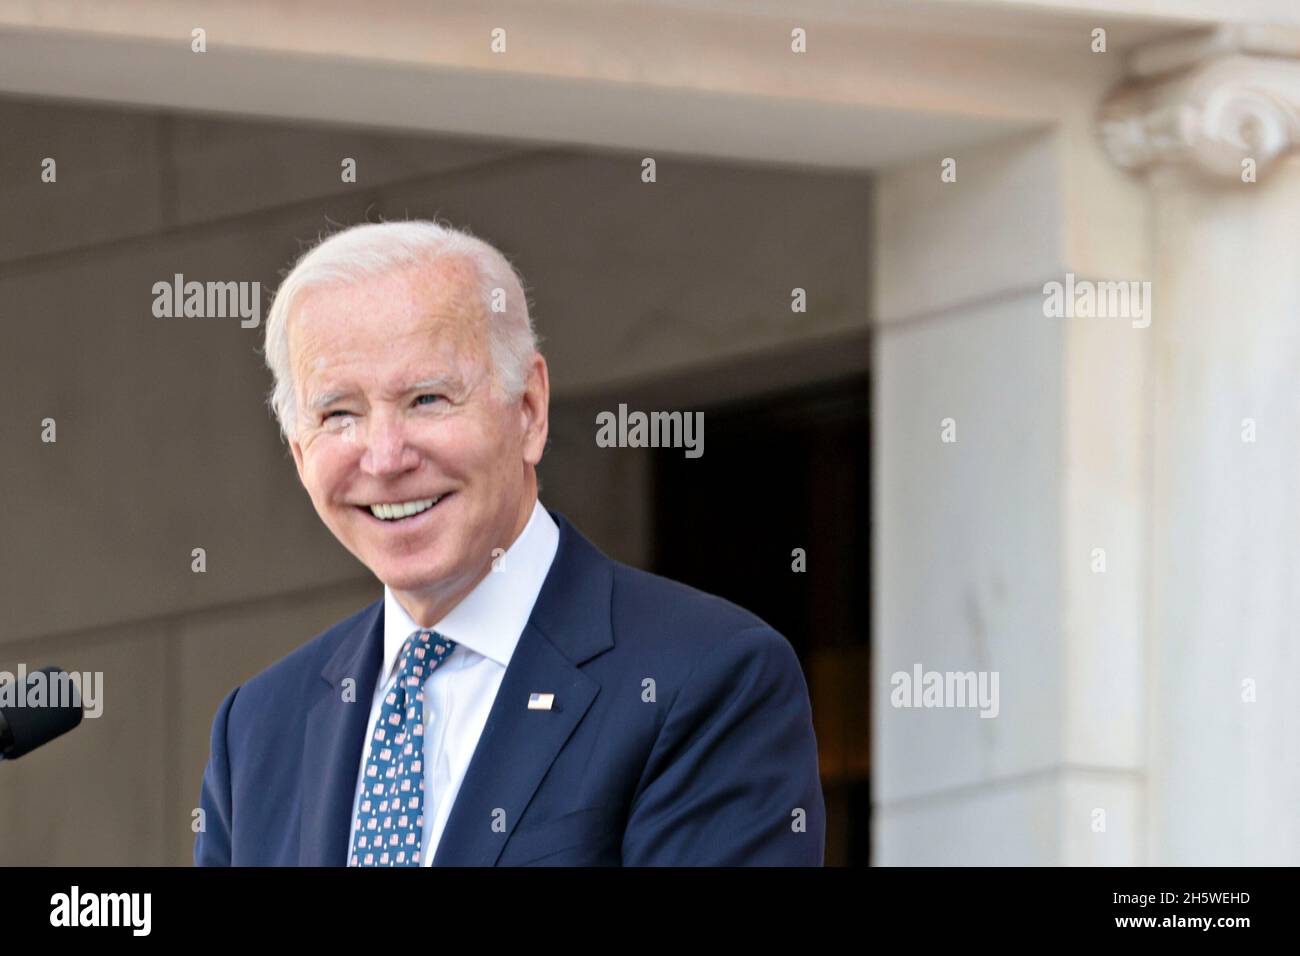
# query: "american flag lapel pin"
538,701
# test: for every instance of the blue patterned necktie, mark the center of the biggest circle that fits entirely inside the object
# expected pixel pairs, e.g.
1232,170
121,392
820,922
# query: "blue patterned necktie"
390,814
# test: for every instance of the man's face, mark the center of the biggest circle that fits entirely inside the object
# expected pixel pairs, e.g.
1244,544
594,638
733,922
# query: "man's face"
398,407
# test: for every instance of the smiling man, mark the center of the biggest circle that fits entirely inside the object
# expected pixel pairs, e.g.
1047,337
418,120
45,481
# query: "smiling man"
515,696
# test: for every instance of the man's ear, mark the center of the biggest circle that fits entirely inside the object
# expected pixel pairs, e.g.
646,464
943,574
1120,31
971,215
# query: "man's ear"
534,409
297,460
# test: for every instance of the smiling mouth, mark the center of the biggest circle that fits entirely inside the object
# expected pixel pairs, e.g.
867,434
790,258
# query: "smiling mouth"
398,512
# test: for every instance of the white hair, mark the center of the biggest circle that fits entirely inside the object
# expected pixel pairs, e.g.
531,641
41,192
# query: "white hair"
373,249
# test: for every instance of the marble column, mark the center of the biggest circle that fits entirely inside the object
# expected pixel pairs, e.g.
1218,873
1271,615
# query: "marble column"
1212,125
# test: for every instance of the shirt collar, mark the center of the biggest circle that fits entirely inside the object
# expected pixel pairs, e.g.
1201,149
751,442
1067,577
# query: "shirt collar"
491,618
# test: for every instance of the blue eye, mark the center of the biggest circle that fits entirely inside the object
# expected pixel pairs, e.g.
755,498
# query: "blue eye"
434,397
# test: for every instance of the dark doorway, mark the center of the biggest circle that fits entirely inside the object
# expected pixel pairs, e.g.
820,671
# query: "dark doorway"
790,470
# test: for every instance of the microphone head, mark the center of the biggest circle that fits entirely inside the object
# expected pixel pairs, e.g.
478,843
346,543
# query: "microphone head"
24,728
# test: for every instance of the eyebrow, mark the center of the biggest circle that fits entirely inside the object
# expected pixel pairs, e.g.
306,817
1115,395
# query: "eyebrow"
448,383
321,401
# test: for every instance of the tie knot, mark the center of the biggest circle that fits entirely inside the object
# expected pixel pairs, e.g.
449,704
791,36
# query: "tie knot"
423,651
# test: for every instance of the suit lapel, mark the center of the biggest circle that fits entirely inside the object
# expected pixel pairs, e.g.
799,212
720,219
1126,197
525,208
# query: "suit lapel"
516,749
569,625
334,741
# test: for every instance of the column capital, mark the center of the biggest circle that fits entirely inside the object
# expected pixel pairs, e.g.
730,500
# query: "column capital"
1208,100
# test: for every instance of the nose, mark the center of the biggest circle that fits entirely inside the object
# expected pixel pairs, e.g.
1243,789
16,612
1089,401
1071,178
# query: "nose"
387,452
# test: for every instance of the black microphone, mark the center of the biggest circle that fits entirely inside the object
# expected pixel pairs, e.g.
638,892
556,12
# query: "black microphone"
24,728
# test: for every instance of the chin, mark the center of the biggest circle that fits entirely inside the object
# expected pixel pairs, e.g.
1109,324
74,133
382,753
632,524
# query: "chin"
413,574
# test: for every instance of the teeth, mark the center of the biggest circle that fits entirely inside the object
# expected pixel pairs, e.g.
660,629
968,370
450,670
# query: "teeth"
391,512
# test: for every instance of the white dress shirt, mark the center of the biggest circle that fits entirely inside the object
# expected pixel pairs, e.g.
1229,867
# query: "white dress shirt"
486,625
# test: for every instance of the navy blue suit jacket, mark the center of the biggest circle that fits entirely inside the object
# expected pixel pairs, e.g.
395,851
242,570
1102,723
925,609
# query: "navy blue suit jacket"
715,763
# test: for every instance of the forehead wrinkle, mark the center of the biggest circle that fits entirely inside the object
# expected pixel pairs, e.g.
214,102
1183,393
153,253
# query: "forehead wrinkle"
443,290
442,305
